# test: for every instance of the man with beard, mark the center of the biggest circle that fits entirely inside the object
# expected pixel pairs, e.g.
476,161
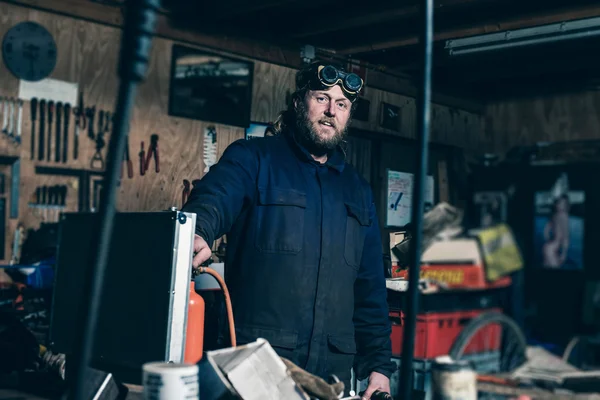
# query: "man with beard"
304,261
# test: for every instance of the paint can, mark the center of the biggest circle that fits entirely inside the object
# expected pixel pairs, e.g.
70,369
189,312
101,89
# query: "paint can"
453,379
169,381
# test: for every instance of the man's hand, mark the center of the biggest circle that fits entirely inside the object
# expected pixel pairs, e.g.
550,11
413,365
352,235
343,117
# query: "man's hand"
201,250
377,381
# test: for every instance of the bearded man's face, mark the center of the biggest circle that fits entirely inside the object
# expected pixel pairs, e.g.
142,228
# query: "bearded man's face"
322,120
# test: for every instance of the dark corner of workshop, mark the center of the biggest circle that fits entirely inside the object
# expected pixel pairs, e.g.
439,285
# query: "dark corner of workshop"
299,200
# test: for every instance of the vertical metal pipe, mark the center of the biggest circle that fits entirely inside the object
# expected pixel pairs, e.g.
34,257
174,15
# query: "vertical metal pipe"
423,112
136,43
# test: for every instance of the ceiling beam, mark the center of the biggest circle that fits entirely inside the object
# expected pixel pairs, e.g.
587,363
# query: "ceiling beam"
227,12
509,24
165,29
373,17
241,46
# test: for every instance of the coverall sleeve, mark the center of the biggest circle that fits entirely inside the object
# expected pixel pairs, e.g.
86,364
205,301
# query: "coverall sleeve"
371,313
218,198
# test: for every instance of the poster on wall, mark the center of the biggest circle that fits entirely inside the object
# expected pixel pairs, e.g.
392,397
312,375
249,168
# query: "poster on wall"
559,227
490,208
399,197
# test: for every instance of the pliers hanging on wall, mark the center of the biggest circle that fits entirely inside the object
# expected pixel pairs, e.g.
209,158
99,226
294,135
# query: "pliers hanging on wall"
128,161
153,151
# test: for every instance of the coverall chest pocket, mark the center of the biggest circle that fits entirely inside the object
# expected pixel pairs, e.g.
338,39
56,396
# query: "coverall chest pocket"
356,222
280,218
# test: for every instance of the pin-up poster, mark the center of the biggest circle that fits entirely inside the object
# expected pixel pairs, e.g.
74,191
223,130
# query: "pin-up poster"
559,227
399,197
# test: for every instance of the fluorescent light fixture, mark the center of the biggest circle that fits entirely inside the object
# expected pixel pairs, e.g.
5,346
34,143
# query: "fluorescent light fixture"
582,28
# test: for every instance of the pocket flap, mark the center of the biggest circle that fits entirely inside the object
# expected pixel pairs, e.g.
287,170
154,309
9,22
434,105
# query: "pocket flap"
343,344
359,212
283,197
276,337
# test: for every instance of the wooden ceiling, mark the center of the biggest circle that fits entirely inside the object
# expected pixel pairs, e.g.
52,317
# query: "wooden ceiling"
385,34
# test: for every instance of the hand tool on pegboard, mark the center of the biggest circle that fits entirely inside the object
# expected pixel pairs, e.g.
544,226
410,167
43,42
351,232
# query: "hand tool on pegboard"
11,119
51,110
5,115
58,134
127,160
80,124
97,159
19,121
84,179
33,115
90,113
41,138
153,152
67,116
142,155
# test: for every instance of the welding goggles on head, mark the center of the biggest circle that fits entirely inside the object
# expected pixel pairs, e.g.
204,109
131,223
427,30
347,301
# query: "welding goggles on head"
326,76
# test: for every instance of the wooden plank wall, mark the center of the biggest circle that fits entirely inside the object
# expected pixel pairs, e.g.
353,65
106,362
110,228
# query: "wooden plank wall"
88,55
561,117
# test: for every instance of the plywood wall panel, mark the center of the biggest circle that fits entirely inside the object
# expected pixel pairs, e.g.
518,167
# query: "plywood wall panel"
565,117
88,54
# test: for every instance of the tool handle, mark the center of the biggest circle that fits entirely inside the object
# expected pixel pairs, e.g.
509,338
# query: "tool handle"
42,142
66,132
58,134
33,110
75,147
50,110
129,169
156,159
142,161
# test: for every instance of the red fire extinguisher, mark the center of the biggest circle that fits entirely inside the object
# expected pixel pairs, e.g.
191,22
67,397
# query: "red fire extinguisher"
194,337
194,342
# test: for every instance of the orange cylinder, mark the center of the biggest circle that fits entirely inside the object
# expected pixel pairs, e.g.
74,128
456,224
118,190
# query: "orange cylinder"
194,337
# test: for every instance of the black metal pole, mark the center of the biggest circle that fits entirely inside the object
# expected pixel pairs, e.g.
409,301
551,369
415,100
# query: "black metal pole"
423,112
136,43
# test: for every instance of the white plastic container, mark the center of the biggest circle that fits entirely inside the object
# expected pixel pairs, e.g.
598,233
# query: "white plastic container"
170,381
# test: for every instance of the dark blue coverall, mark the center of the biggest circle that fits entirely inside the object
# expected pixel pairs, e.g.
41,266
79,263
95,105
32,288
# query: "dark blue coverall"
304,263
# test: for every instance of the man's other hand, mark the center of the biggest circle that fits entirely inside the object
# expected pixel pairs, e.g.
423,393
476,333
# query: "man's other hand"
377,381
202,251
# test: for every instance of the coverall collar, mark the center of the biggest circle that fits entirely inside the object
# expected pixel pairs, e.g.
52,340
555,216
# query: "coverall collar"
336,159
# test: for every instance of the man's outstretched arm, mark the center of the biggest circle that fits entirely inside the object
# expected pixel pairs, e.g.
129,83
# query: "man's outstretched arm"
218,198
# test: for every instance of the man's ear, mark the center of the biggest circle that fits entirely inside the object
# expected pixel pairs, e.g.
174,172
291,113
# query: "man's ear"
295,102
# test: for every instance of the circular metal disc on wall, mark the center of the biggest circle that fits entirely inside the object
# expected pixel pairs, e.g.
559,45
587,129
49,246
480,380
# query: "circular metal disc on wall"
29,51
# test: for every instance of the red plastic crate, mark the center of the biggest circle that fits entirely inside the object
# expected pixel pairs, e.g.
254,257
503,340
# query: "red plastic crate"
436,332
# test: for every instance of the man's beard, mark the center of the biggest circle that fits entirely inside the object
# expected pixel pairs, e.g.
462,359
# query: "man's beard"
309,137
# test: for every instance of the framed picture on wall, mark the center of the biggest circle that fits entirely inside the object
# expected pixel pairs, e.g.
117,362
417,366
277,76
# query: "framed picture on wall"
256,130
389,117
559,226
210,87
